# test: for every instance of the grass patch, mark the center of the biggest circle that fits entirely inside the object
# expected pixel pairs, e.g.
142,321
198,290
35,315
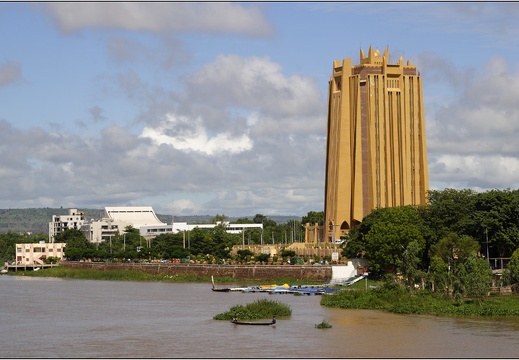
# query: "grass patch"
422,302
259,309
136,275
119,275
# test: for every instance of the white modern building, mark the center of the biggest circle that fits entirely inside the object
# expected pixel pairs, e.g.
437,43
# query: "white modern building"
116,219
176,227
38,253
73,220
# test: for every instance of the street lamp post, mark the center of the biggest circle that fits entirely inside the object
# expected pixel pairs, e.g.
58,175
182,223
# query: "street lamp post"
262,220
488,258
334,234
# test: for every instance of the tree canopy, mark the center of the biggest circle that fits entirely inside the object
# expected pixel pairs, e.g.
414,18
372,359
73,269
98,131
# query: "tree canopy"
445,241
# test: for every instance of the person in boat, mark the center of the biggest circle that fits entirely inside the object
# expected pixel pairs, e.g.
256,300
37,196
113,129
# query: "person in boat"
274,319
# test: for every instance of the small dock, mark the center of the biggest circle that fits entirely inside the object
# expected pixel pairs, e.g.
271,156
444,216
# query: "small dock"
28,267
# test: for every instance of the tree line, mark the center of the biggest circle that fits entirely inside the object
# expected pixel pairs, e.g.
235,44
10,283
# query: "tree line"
213,243
445,245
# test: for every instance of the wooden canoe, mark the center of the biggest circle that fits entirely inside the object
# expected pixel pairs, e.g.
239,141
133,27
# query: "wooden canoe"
236,322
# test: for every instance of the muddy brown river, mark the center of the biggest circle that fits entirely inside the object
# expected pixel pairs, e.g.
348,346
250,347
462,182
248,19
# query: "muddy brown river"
56,318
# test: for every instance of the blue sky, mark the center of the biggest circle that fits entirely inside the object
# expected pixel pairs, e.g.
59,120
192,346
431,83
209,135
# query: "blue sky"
220,108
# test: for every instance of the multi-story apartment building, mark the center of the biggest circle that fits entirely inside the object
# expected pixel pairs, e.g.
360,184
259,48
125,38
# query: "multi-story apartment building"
38,253
73,220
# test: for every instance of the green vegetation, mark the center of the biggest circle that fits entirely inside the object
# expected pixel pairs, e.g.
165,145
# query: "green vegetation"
9,240
212,246
395,298
120,275
441,247
323,325
259,309
137,275
34,220
436,252
313,217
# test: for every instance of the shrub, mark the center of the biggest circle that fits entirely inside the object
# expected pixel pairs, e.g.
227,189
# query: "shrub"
259,309
323,325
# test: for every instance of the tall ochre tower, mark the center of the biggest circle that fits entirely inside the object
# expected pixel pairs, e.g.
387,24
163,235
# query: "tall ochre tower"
376,153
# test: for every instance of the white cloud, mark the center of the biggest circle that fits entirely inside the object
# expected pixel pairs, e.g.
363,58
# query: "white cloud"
162,17
472,140
190,135
481,172
183,207
255,82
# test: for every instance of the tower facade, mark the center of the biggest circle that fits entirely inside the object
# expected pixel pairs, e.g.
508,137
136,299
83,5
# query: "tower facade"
376,151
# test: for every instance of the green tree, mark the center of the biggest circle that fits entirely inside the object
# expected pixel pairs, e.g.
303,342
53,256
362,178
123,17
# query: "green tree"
355,248
386,234
168,246
287,254
243,253
476,276
9,240
219,218
455,248
216,242
199,241
262,258
410,261
470,275
496,218
259,218
438,275
313,217
244,221
223,242
450,211
78,247
511,274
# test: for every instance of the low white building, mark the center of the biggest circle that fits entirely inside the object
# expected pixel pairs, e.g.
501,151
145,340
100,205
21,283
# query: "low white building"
38,253
73,220
116,219
176,227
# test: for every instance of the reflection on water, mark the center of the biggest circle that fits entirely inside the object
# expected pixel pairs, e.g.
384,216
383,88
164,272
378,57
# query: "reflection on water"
46,317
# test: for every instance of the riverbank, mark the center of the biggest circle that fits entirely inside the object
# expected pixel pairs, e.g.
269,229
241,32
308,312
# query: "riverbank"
355,297
119,274
292,273
400,301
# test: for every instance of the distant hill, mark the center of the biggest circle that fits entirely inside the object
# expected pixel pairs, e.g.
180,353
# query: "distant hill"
36,220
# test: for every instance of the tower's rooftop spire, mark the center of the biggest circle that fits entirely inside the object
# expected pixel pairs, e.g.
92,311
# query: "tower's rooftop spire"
374,56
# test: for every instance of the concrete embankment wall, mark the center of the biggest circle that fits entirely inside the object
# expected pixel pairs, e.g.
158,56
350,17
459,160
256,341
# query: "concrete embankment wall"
254,272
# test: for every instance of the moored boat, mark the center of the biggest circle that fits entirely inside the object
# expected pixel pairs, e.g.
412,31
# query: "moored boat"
236,322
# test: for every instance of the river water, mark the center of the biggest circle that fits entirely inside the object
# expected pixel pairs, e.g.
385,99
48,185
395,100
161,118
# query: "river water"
57,318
